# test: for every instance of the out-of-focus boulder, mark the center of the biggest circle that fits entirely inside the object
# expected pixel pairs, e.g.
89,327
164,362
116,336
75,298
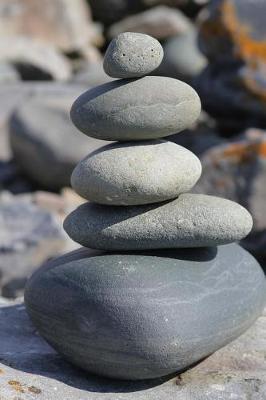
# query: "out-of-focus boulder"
35,60
233,37
66,24
44,141
160,22
182,57
237,171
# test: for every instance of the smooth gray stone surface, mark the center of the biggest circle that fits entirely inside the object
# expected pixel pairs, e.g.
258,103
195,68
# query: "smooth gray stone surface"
135,173
31,369
132,55
147,108
191,220
142,316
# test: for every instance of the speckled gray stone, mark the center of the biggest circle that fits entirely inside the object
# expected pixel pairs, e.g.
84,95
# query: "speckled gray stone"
191,220
136,316
135,173
147,108
132,55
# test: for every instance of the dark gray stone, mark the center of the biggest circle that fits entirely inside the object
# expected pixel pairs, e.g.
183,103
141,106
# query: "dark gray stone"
30,365
192,220
147,172
145,108
137,316
132,55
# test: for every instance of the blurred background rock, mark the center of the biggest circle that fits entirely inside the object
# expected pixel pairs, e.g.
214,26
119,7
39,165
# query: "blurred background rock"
52,50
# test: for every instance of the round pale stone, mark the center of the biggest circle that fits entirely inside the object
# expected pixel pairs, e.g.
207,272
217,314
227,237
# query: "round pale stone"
192,220
132,55
136,173
136,316
147,108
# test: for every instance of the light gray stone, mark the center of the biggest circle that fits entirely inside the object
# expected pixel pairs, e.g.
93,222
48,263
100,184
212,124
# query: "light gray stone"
30,368
192,220
145,108
132,55
143,316
136,173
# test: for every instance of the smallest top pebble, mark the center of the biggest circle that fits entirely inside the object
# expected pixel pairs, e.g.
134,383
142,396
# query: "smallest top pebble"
132,55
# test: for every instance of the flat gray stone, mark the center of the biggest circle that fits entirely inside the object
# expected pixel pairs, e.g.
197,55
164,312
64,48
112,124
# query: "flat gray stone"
192,220
135,173
147,108
31,368
132,55
143,316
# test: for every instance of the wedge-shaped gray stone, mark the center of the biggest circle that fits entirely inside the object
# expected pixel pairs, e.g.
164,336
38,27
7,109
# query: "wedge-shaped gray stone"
135,173
136,316
147,108
192,220
132,55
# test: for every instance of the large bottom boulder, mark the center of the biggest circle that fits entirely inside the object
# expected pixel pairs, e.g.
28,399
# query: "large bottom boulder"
147,315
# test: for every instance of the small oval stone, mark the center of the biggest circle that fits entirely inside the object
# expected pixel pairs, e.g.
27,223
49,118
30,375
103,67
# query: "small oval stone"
191,220
147,108
132,55
136,173
140,316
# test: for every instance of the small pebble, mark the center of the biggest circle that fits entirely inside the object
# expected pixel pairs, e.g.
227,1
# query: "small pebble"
132,55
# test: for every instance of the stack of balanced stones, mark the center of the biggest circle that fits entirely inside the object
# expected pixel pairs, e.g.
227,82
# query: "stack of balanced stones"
165,286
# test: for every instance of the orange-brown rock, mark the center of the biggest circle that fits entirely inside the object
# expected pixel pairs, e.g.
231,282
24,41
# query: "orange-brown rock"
235,30
237,170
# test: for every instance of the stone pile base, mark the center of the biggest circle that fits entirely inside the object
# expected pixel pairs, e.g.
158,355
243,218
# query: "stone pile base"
30,369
